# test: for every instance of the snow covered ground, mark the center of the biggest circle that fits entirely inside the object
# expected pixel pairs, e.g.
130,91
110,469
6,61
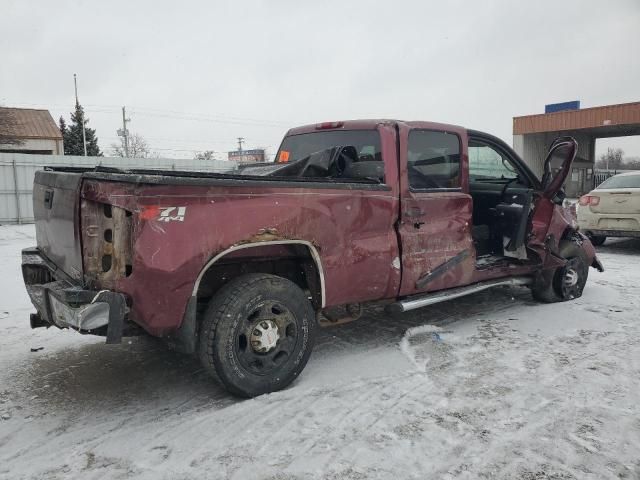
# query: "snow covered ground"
489,386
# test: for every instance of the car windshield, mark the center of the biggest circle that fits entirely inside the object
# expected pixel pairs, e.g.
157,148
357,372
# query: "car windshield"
621,181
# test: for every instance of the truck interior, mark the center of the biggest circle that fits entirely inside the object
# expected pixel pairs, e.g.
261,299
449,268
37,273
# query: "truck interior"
502,191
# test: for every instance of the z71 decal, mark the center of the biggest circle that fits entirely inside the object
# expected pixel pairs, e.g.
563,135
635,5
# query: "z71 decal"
163,214
171,214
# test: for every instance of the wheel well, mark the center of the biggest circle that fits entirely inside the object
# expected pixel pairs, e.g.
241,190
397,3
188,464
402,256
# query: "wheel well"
298,262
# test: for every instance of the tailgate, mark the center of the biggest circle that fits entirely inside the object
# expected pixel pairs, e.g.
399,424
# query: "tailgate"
55,208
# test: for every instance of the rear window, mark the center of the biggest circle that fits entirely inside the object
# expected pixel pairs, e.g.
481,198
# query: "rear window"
297,147
345,155
620,181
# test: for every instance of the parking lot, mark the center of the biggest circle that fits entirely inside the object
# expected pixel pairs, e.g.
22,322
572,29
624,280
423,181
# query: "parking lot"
490,386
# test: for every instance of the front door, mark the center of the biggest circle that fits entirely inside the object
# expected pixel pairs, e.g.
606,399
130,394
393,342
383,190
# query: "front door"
436,209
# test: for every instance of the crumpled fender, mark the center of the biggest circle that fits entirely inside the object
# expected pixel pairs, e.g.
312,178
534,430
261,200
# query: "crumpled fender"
590,250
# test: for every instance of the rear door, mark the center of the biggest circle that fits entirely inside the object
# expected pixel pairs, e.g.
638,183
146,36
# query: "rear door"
55,208
436,208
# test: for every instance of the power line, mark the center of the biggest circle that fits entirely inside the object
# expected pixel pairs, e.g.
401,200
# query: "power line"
189,142
203,118
152,112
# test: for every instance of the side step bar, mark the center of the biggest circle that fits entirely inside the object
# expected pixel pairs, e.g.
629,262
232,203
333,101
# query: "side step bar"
418,301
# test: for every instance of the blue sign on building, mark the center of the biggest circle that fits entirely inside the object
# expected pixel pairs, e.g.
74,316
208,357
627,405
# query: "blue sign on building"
561,107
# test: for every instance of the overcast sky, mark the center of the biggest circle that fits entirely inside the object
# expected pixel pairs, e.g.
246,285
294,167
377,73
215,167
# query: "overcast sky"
195,75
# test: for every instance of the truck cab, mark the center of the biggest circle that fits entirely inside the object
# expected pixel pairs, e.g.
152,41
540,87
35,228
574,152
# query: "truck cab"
469,209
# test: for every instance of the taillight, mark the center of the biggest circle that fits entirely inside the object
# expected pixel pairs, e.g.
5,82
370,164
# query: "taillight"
589,200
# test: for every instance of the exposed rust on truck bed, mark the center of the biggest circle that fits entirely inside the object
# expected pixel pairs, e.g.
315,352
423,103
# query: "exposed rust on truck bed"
106,244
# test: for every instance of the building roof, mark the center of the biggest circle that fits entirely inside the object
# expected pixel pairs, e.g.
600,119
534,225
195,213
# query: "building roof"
32,123
609,120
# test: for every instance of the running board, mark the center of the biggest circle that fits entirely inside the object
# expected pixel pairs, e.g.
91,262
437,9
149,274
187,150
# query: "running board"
413,302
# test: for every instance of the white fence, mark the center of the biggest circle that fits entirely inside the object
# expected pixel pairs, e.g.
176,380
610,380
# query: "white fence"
17,171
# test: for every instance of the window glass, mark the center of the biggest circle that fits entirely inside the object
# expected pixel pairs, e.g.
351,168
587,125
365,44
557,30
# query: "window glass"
621,181
487,163
344,154
433,160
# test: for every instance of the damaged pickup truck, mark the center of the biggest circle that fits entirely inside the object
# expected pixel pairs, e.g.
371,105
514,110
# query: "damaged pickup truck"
238,268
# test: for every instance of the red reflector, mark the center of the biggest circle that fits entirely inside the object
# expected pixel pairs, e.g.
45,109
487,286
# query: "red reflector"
327,125
584,200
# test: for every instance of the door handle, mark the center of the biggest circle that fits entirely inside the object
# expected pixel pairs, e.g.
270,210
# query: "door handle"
418,225
414,212
48,199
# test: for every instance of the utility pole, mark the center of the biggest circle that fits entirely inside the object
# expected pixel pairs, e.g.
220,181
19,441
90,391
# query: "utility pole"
124,133
84,137
240,140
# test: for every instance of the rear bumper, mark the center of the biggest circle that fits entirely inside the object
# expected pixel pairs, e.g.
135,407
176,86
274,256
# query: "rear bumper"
613,233
619,224
62,303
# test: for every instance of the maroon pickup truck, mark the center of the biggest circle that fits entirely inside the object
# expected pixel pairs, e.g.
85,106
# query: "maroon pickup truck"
239,268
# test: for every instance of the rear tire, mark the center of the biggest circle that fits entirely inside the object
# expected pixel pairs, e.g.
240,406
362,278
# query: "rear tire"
567,282
257,334
596,240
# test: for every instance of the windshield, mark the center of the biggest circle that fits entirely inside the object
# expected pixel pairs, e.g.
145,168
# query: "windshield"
297,147
620,181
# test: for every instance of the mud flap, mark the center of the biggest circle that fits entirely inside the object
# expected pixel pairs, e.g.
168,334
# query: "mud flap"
185,339
597,264
117,311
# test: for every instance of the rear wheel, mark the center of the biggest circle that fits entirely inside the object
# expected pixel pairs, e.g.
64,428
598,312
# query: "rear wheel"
596,240
257,334
566,282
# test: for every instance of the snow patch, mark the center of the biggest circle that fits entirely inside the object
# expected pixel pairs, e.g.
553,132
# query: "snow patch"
423,337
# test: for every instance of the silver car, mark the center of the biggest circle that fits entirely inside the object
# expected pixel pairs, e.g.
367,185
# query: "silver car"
612,209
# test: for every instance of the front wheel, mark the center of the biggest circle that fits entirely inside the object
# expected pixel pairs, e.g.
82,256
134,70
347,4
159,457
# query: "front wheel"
257,334
567,282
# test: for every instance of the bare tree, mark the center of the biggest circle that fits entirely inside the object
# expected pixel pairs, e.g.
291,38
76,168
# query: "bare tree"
612,160
138,147
206,155
8,126
632,163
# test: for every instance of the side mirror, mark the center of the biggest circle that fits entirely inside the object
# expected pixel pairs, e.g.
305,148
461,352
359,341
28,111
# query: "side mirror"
558,165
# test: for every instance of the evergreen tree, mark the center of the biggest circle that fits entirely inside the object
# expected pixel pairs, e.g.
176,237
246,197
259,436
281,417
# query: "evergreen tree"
62,125
72,135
